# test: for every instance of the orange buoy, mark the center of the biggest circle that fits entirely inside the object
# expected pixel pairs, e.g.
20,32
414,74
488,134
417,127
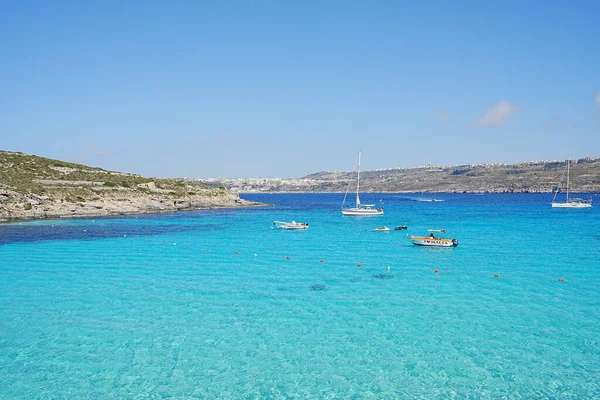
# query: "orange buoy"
496,276
561,279
236,252
359,265
321,261
436,271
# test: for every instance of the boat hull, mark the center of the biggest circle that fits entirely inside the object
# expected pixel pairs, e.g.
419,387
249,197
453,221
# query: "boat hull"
358,212
425,241
571,205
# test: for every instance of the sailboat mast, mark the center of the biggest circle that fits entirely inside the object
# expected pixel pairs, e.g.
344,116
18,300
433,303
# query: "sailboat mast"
568,163
358,181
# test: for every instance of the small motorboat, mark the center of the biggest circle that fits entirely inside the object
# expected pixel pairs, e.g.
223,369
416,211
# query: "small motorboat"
401,228
433,239
290,225
382,229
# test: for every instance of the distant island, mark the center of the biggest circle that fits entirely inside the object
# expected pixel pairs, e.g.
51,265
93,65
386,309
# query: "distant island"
33,187
525,177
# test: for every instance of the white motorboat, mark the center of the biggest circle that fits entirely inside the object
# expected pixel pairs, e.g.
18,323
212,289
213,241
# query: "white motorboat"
359,209
290,225
382,229
433,240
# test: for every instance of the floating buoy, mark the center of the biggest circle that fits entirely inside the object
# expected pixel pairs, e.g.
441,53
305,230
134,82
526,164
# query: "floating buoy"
321,261
174,244
359,265
436,271
255,254
235,252
164,242
561,279
496,276
287,258
389,268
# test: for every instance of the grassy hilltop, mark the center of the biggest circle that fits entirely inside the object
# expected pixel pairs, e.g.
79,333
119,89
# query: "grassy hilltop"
38,187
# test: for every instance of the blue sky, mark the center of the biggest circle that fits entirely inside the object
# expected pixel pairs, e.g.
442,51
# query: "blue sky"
284,89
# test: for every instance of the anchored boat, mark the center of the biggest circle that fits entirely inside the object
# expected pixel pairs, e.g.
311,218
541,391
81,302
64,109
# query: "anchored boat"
434,239
570,202
290,225
382,229
360,209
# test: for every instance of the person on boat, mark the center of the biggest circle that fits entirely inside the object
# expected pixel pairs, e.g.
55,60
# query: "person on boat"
432,236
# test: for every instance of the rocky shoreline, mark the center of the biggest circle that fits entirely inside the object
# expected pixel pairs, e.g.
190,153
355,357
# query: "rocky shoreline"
33,187
114,206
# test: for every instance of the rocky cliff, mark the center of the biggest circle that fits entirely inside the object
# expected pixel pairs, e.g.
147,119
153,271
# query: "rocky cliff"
36,187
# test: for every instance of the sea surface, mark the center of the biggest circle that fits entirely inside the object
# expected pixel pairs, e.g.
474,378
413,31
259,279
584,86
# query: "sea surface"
218,305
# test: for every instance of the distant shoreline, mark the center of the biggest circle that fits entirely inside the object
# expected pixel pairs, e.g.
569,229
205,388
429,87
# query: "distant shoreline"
417,192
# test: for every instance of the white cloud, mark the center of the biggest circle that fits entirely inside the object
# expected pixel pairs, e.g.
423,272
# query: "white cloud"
497,115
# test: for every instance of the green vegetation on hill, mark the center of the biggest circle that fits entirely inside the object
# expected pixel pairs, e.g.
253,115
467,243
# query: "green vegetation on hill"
29,174
38,187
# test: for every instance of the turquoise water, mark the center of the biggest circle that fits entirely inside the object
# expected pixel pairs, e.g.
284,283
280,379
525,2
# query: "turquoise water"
163,307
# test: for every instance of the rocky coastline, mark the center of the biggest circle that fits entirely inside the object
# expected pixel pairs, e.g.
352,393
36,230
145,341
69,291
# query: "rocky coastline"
113,205
33,187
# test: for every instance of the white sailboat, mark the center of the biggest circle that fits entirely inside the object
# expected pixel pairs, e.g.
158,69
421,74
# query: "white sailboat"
359,209
570,202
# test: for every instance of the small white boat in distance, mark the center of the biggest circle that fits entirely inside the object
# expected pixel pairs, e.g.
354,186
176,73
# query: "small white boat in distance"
382,229
360,209
570,202
290,225
433,239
